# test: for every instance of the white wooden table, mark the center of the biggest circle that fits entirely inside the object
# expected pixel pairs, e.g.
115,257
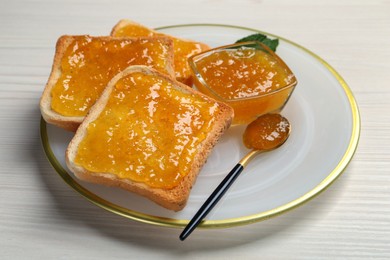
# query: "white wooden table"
43,218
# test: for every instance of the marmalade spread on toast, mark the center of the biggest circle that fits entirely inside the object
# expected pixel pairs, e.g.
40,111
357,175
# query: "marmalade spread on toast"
252,82
149,132
182,49
88,64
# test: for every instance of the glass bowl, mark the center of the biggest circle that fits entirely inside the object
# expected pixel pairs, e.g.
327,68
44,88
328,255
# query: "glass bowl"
248,76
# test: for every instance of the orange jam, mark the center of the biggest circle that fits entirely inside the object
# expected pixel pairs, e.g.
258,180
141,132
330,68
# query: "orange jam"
88,64
149,132
182,49
253,82
266,132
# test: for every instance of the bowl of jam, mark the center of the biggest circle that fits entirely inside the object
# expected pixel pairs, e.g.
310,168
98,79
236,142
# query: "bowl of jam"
248,76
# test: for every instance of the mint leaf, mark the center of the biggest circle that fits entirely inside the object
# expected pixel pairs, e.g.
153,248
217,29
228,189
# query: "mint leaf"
271,43
253,37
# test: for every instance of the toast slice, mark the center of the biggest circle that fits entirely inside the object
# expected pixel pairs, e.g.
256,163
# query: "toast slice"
148,134
83,65
183,49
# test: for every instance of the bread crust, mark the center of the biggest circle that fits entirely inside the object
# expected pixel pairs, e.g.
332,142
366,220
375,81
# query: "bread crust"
174,198
71,123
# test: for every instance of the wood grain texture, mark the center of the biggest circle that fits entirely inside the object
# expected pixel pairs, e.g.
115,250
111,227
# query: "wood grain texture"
42,218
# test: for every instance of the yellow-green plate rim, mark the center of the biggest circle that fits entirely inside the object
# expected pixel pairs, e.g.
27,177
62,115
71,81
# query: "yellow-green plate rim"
231,222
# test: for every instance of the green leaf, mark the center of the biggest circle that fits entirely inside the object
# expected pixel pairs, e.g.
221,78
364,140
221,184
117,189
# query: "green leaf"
271,43
253,37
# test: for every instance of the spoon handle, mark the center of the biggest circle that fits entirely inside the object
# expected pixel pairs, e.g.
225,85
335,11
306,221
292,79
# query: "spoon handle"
212,200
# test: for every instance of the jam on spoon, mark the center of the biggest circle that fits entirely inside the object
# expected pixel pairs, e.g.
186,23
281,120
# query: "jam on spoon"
264,134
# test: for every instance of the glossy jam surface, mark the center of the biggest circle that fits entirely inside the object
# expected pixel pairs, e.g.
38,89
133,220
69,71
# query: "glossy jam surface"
149,132
253,82
182,49
266,132
90,63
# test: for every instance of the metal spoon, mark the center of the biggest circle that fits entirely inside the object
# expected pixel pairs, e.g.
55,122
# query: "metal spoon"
265,134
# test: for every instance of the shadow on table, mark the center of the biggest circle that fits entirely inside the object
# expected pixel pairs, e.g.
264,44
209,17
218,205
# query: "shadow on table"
75,212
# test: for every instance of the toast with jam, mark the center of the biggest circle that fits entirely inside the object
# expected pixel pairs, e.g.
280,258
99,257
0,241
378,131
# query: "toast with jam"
83,65
148,134
183,48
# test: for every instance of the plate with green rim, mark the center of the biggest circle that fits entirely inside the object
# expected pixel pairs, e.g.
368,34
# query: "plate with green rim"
325,133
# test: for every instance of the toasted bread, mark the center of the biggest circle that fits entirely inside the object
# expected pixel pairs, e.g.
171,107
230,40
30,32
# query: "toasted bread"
183,48
93,64
107,140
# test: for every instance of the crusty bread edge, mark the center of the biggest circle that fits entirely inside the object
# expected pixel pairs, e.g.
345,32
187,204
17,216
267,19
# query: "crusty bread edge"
71,123
173,199
50,116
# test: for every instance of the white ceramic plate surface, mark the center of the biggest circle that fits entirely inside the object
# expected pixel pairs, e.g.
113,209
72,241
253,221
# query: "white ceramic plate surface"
325,131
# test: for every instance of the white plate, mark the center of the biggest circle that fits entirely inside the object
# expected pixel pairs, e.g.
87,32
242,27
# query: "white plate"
325,132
